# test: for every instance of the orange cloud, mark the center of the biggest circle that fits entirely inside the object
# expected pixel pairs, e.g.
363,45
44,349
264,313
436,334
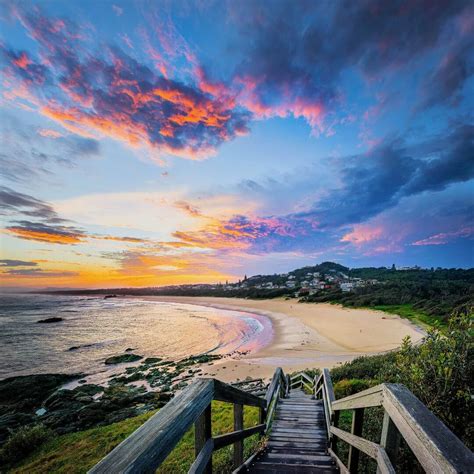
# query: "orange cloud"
43,234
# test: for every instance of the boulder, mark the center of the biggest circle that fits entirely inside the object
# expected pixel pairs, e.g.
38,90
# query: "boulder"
50,320
120,359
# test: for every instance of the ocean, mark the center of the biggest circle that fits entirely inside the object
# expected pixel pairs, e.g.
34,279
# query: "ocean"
94,328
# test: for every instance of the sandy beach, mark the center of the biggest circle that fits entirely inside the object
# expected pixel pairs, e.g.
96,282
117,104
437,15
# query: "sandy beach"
306,335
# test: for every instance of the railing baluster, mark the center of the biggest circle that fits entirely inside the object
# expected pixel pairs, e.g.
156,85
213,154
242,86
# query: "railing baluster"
202,433
238,425
390,439
356,429
333,439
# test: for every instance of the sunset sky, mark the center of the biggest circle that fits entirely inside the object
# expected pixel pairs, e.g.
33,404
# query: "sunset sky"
152,143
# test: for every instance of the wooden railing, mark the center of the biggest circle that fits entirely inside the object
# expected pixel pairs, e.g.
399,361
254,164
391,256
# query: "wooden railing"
437,449
302,380
146,449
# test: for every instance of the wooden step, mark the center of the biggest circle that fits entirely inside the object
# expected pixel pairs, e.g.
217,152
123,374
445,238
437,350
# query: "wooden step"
305,459
270,468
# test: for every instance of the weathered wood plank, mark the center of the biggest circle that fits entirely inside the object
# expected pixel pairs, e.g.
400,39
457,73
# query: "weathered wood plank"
304,375
342,468
145,449
202,434
372,397
384,466
356,429
434,445
273,386
390,438
230,438
271,407
329,388
238,426
203,460
362,444
226,393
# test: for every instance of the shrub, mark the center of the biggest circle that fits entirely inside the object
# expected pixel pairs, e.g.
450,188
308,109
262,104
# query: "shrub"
22,442
440,372
364,367
344,388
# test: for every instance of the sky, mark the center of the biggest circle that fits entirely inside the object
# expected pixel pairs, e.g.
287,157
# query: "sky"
170,142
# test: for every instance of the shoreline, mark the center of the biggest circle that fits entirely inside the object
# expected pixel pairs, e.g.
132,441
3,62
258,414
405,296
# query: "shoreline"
305,335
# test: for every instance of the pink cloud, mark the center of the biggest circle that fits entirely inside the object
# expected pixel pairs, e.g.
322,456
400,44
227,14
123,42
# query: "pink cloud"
46,132
445,237
363,234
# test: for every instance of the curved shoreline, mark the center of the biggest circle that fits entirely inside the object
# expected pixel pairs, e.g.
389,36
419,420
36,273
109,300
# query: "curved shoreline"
305,335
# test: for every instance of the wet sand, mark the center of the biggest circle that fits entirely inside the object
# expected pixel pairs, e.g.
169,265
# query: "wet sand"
306,335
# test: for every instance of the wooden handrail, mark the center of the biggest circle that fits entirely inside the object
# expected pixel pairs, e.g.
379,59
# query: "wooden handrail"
146,449
437,449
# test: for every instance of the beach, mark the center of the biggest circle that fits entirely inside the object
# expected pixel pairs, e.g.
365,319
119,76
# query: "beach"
305,335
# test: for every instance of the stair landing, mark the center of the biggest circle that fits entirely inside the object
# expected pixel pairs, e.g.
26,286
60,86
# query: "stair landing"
298,439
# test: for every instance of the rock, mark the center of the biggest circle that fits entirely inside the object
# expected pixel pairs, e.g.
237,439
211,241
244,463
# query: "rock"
120,359
106,297
29,391
50,320
152,360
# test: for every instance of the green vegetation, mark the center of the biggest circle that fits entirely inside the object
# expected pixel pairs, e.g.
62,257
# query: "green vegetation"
425,296
407,311
22,442
75,453
440,372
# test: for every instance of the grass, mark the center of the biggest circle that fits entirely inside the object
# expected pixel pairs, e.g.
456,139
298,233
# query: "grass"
76,453
418,317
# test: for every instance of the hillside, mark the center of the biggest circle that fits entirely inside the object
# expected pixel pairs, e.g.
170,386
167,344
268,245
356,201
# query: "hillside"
426,295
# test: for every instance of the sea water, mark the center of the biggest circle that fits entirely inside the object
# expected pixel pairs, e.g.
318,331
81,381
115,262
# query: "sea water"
94,328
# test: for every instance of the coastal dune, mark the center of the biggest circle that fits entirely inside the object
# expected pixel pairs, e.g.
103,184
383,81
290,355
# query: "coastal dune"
306,335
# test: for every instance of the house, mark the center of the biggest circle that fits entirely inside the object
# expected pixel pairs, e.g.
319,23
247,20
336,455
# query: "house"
346,286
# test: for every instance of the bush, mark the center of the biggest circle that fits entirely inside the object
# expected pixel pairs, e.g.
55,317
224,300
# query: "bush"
344,388
22,442
440,372
364,367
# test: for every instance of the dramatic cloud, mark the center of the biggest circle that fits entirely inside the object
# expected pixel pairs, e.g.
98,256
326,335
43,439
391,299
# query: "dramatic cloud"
295,53
112,94
393,170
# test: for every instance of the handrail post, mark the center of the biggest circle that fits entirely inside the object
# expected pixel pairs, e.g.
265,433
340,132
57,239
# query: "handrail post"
202,433
390,439
333,439
356,429
288,385
238,426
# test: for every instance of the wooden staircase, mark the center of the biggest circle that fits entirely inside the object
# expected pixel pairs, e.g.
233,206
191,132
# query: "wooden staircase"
299,415
298,441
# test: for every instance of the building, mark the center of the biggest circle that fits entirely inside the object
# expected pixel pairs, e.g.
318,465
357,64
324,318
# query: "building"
346,286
